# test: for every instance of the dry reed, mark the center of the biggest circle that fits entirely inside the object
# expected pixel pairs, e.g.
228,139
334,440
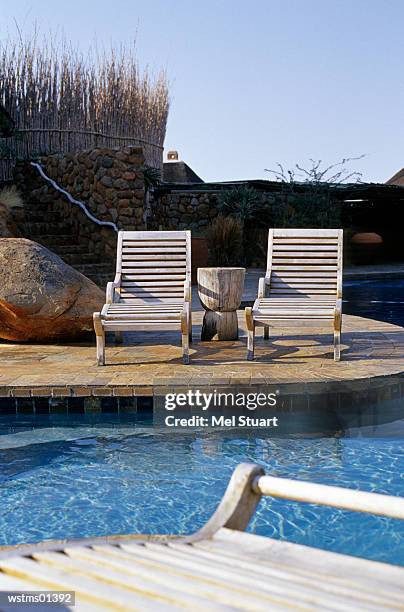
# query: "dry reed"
62,102
225,241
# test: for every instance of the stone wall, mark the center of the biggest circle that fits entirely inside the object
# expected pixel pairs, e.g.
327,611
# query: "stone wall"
363,207
109,182
195,206
176,209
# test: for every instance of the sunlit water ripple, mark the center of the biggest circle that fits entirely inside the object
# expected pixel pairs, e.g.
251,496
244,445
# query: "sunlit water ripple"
74,481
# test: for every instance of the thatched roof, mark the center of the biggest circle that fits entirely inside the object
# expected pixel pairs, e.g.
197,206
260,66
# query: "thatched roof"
374,192
179,172
397,179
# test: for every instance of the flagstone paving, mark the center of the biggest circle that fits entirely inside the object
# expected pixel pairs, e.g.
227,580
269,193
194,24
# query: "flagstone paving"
149,363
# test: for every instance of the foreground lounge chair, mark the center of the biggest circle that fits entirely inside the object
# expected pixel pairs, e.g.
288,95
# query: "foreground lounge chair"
220,567
303,282
152,287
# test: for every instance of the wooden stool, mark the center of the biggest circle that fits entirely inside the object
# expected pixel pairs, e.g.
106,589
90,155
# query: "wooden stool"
220,291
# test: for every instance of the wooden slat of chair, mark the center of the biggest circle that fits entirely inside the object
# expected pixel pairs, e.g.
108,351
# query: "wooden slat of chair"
85,587
288,284
145,316
165,571
281,268
134,306
140,276
273,567
380,580
279,580
305,234
143,250
308,246
134,295
147,236
280,275
174,305
305,259
277,590
302,291
246,590
142,301
304,268
153,270
150,587
136,261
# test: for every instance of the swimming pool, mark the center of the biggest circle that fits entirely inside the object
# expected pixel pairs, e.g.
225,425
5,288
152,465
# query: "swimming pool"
375,299
76,477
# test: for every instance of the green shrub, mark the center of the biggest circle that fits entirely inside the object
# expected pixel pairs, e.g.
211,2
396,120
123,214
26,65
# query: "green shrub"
240,202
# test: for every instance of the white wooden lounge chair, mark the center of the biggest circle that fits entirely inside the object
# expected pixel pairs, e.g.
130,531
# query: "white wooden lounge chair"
303,282
152,287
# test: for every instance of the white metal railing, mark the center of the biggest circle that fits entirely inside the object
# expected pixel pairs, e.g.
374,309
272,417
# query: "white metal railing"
71,199
327,495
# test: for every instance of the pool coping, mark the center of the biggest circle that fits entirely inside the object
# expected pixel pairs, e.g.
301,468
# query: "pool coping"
160,389
338,396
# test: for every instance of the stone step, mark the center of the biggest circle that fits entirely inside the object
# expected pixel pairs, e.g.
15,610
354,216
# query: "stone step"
71,249
99,278
38,228
74,259
91,268
83,262
53,240
33,215
37,205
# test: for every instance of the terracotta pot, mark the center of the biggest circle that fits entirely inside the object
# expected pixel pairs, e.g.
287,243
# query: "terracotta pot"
366,247
199,256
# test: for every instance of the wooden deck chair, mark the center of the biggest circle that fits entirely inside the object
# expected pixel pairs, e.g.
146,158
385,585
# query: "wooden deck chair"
303,282
152,287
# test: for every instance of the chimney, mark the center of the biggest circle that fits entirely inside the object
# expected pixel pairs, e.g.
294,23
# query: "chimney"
172,156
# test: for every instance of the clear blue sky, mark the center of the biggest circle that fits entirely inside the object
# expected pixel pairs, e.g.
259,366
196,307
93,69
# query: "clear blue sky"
257,82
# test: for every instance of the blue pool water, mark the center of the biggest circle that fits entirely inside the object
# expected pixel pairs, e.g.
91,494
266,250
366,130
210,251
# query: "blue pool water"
78,478
375,299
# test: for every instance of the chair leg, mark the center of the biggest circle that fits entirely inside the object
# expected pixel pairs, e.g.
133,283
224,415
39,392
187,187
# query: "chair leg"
250,345
250,334
337,345
185,331
266,332
190,326
337,337
100,337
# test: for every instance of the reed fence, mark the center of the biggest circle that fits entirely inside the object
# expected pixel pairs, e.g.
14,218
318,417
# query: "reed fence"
62,102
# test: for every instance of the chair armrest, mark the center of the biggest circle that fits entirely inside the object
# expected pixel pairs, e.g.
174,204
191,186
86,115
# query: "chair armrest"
262,283
187,291
111,286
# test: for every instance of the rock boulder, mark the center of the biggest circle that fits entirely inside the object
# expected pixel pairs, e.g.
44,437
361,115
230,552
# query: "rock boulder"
41,297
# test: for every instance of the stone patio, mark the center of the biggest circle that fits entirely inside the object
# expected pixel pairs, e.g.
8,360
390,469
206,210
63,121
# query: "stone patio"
294,360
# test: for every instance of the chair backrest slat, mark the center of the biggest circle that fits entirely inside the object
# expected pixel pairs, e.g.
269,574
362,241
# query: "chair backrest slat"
153,264
305,262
